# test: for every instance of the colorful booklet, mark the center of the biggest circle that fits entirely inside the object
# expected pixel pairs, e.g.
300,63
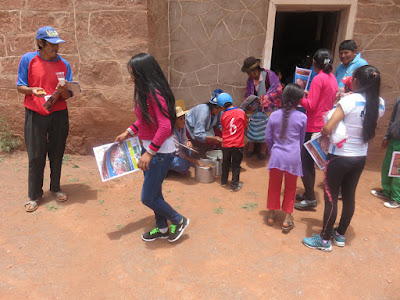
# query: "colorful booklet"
302,77
394,170
116,160
318,149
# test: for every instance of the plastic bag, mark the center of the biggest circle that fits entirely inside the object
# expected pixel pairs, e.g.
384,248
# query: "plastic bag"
339,134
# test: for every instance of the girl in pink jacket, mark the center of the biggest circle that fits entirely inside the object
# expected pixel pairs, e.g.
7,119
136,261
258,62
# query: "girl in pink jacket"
318,102
155,112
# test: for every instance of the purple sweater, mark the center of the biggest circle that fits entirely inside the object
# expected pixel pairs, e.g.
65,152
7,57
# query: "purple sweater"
285,153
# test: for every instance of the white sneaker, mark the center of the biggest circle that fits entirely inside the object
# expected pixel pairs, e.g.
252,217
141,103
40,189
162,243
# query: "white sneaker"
379,193
392,204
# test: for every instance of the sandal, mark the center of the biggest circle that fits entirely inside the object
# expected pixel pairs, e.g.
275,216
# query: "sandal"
33,205
60,196
286,229
271,218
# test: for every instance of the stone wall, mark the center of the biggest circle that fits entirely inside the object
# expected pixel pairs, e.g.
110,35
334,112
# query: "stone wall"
101,37
209,41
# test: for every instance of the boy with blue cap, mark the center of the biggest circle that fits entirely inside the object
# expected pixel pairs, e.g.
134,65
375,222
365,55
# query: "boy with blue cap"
46,131
234,123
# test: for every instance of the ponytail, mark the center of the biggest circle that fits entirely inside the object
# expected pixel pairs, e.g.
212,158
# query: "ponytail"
369,82
323,60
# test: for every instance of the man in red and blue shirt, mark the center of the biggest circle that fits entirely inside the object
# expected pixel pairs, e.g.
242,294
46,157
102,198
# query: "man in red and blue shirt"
234,123
45,131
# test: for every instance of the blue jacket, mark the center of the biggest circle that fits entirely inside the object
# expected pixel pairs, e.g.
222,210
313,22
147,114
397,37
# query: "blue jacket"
341,71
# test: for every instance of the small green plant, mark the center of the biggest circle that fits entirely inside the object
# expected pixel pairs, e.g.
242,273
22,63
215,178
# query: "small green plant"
52,207
253,194
249,206
215,200
105,214
73,179
75,166
120,226
99,190
131,210
219,211
100,202
66,159
7,141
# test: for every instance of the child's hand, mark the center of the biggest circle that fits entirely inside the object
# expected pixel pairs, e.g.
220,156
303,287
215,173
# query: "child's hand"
218,139
385,143
122,136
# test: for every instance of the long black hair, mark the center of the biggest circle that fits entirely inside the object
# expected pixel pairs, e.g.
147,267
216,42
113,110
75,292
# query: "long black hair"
369,83
149,79
291,97
323,60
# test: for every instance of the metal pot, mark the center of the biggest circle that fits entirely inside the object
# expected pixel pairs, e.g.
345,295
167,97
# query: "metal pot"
205,174
216,156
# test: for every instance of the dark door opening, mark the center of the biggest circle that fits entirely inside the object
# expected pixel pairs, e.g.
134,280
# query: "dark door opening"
298,35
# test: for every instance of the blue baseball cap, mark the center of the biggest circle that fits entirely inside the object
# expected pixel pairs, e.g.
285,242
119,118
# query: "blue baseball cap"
49,34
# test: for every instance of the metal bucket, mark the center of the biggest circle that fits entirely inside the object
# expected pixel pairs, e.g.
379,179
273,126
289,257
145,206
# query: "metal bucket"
216,156
205,174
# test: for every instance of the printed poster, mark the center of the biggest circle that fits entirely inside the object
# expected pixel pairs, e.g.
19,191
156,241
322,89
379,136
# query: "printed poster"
318,149
302,77
115,160
394,170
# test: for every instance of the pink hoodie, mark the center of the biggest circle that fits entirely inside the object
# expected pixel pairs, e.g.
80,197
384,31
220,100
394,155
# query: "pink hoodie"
159,129
320,99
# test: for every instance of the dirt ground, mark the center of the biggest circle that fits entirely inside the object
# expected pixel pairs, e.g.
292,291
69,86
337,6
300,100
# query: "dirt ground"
90,247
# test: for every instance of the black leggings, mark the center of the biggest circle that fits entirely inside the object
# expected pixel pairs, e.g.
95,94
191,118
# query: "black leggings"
343,173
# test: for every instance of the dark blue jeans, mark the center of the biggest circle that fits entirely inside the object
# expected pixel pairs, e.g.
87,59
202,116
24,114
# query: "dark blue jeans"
152,190
179,164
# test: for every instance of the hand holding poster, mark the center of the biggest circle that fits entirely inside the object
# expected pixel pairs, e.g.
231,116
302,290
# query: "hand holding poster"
318,149
302,77
115,160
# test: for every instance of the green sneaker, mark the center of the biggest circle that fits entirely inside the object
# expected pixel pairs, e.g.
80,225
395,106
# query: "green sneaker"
177,230
154,234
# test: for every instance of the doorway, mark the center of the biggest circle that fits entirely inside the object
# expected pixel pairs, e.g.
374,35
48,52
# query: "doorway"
298,35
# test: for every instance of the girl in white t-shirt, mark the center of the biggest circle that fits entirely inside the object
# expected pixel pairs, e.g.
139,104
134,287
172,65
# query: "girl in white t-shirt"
360,112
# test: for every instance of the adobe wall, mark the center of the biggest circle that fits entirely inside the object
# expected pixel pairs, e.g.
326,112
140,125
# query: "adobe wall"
377,33
101,38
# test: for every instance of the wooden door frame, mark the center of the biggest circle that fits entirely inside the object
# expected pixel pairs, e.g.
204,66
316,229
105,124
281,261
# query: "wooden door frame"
347,8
